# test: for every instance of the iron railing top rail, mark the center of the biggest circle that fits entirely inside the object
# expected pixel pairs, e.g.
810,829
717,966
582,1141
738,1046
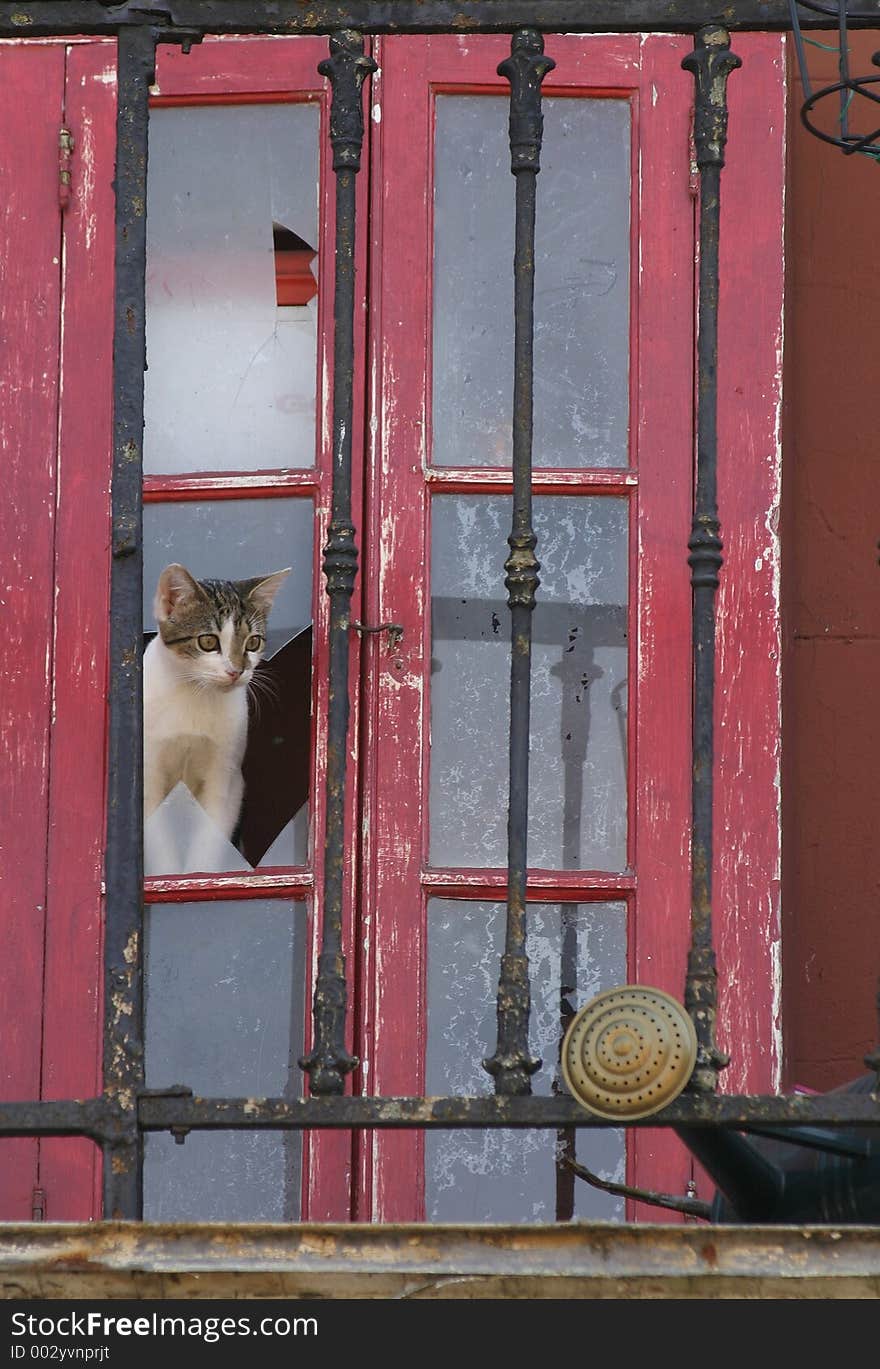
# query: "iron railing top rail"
178,1111
44,18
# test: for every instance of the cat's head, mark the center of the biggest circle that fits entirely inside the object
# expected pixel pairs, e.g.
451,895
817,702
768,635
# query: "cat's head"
216,629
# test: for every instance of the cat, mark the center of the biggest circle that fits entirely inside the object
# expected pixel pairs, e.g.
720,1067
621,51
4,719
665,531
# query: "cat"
212,635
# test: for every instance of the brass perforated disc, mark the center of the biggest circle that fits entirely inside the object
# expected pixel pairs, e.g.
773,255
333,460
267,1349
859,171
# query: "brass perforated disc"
629,1052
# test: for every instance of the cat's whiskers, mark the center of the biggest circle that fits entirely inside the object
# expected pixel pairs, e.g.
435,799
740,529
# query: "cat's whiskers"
262,687
265,682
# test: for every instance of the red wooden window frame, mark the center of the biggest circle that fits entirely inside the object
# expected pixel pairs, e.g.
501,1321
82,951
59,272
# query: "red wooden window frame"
237,72
30,381
655,885
56,712
656,481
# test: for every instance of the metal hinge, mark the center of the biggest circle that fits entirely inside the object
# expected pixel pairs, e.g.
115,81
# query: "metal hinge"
65,152
38,1205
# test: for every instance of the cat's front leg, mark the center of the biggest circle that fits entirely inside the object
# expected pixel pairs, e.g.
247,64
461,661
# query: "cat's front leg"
155,787
221,799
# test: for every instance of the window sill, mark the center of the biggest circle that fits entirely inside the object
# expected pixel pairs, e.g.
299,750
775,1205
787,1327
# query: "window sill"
312,1260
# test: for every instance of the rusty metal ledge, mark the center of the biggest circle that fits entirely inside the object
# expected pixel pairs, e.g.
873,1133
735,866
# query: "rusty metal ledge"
34,18
578,1260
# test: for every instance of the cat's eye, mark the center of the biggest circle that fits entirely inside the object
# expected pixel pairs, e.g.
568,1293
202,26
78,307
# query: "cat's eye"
254,642
209,641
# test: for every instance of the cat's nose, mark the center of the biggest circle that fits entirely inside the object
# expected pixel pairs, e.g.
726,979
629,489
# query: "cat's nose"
232,673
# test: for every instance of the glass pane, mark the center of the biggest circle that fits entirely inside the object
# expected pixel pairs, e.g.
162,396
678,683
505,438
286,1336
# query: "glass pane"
575,951
224,1011
581,284
202,740
577,791
232,235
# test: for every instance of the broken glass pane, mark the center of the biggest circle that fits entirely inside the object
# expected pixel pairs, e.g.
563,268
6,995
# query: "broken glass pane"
575,952
577,791
224,1011
582,286
232,235
240,539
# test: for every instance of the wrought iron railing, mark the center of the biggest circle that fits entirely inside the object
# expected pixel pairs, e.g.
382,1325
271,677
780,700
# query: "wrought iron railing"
716,1127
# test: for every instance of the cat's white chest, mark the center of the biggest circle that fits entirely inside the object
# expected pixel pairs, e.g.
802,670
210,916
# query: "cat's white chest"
175,709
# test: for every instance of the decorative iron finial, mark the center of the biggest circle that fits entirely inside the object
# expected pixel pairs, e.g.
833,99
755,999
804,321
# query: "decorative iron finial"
347,68
522,565
512,1065
706,548
329,1062
711,62
701,1003
525,69
340,558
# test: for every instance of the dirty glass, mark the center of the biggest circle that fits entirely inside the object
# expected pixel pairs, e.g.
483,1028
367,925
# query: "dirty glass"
577,807
576,950
224,1012
231,372
239,539
582,285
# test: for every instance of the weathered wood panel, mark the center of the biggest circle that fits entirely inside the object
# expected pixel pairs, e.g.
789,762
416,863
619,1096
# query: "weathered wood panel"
73,1019
663,447
746,892
31,92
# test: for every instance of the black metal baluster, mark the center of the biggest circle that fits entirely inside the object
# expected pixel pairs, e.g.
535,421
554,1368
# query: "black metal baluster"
525,68
347,67
124,865
123,946
711,63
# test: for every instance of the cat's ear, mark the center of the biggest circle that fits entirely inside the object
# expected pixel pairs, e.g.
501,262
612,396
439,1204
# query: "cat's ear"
175,586
262,592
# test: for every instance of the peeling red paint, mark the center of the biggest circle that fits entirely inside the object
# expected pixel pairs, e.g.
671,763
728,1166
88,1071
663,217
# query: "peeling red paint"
746,892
